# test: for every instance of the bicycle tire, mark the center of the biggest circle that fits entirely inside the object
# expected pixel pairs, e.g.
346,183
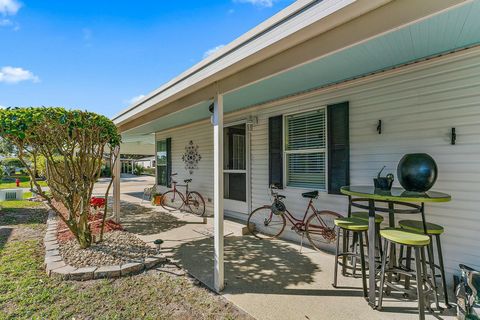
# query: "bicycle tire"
321,233
198,203
263,214
170,200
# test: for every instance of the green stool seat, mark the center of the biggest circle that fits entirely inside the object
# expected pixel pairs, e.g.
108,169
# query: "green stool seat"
352,224
364,216
404,237
417,226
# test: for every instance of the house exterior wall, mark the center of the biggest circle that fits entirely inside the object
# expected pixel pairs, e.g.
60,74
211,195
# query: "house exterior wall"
418,105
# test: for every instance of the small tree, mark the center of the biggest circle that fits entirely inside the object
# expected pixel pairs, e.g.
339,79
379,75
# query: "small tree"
11,164
73,145
7,148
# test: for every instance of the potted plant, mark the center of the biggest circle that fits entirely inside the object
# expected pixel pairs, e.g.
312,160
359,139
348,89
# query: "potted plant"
156,198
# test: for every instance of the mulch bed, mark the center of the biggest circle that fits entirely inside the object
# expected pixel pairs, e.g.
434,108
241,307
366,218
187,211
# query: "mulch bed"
95,222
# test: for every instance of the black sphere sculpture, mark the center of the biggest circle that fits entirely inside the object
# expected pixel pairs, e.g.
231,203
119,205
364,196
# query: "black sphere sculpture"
417,172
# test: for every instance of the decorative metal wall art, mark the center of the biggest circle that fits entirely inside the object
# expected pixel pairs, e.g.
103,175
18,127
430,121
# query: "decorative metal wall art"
191,157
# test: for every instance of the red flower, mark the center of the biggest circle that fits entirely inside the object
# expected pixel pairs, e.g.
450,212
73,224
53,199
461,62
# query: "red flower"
97,202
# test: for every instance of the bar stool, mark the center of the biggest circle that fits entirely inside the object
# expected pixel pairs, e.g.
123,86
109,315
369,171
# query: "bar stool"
433,230
418,242
357,227
378,220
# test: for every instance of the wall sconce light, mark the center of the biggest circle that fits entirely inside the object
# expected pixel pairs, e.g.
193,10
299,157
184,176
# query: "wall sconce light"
379,127
252,120
453,137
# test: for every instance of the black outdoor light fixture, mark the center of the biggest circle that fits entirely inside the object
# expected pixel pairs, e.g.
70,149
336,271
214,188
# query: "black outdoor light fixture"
379,127
453,137
210,107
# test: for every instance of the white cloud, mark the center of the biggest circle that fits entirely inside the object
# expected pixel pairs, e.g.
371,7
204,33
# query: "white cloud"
5,22
135,99
9,7
209,52
259,3
15,75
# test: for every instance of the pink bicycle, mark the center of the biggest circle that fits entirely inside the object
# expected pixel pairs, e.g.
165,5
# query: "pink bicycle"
269,221
191,201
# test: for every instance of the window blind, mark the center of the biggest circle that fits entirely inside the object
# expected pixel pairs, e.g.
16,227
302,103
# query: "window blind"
305,148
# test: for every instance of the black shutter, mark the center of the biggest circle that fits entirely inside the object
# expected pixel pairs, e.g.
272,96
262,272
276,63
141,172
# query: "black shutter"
275,151
338,147
169,162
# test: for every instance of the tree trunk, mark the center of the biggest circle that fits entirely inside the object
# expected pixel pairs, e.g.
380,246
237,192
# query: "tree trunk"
84,235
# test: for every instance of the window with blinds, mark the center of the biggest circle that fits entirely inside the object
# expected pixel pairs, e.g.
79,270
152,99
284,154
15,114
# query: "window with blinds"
305,149
162,162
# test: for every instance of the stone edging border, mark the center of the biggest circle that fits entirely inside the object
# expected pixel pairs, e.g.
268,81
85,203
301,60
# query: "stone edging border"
56,267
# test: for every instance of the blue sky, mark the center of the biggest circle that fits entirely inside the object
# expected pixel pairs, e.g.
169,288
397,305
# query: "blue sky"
99,55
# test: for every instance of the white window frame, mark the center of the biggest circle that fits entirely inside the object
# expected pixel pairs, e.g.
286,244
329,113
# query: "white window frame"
285,152
156,162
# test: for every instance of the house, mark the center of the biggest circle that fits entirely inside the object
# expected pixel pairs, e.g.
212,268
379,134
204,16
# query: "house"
336,68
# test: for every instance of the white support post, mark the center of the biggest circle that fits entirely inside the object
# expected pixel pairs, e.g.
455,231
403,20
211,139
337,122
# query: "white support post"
116,185
218,192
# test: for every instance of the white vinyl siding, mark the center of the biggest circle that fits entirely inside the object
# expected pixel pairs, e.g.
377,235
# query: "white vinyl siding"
418,106
305,149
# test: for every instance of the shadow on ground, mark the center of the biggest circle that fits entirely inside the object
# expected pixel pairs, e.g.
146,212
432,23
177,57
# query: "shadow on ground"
15,216
5,233
145,221
255,266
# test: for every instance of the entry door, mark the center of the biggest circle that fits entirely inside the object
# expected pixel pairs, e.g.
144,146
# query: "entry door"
235,168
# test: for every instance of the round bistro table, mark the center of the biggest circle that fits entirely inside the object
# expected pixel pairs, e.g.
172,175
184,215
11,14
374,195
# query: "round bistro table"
367,198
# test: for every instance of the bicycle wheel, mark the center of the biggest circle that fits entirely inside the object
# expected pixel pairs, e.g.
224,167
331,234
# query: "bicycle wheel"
196,203
320,229
172,200
264,224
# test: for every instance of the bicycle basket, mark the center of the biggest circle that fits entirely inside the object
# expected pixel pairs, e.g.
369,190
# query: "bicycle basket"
278,207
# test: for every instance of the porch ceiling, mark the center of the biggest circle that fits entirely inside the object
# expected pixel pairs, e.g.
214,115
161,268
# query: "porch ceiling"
450,30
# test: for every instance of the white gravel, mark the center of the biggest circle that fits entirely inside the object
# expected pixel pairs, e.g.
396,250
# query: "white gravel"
117,247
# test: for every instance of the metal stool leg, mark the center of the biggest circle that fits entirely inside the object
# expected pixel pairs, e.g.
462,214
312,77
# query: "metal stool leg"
391,264
362,262
379,239
431,263
442,270
337,248
345,241
424,276
421,298
382,274
408,266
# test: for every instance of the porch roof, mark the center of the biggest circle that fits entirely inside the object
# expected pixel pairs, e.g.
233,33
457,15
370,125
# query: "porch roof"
418,31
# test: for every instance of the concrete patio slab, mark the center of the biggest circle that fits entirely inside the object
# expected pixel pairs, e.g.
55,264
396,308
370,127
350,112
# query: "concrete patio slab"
268,279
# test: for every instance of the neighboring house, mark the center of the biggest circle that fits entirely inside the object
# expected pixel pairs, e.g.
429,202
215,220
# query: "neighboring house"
147,162
334,68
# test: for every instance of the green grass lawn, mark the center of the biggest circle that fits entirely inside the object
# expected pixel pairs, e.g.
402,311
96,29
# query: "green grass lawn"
24,183
13,204
26,292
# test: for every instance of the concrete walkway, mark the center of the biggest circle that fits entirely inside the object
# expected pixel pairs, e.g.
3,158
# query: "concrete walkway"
268,279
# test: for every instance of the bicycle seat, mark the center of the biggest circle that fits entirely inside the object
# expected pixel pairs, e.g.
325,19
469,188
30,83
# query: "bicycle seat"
187,180
311,194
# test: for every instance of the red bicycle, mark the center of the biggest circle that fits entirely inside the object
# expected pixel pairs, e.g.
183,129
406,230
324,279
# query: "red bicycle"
176,200
269,221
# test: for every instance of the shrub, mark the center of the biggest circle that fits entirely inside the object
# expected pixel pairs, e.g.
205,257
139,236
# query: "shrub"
138,170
